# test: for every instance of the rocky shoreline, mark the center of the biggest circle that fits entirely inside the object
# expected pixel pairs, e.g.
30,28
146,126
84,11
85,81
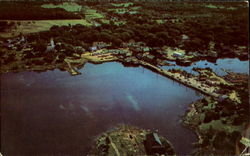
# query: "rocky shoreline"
219,124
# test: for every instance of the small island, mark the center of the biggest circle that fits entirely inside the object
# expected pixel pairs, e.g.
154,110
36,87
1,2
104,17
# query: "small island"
128,140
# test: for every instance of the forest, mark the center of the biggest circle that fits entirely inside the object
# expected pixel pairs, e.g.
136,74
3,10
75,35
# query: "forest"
33,11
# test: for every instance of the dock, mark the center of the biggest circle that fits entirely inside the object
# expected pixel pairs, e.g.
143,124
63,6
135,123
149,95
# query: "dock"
189,82
71,69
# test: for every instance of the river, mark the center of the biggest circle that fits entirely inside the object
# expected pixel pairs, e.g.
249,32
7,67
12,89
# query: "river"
55,113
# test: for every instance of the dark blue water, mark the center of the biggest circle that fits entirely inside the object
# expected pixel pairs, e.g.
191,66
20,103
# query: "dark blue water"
55,113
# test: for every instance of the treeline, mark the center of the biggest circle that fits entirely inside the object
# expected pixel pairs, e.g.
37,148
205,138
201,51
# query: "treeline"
32,11
153,35
228,32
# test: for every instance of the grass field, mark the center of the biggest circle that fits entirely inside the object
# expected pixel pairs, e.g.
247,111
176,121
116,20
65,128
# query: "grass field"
122,4
92,14
70,7
27,26
123,10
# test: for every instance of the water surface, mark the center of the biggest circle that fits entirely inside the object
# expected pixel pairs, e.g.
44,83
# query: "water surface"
53,112
229,64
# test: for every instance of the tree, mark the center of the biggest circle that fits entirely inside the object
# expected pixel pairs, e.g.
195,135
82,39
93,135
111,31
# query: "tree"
40,46
105,37
116,42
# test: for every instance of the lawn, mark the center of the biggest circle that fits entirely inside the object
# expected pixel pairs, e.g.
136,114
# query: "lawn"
92,14
122,4
218,125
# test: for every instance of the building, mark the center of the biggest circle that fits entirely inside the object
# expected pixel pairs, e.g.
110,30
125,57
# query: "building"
146,49
22,39
153,144
93,48
177,55
222,98
184,37
51,46
212,53
96,24
101,45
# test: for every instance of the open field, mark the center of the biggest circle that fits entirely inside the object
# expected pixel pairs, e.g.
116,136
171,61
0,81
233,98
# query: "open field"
92,14
33,26
71,7
122,9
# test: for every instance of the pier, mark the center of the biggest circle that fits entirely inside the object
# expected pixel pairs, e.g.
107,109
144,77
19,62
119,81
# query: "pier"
189,82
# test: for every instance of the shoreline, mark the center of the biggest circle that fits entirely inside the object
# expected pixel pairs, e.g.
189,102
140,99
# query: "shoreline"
195,120
72,67
165,73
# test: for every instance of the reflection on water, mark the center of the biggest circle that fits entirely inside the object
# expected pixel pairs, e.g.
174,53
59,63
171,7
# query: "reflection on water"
53,112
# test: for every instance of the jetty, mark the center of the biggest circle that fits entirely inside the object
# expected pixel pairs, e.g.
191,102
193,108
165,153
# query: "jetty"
71,69
189,82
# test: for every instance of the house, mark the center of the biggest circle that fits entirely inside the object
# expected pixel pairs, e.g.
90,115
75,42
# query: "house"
9,41
93,48
212,53
177,55
139,56
146,49
51,46
96,24
150,57
147,56
121,52
132,12
222,98
153,144
22,39
101,45
184,37
209,82
128,54
118,51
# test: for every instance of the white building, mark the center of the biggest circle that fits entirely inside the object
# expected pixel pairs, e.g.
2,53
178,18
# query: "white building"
51,46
